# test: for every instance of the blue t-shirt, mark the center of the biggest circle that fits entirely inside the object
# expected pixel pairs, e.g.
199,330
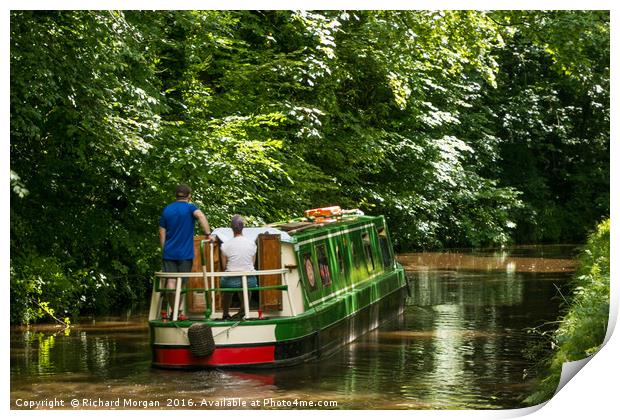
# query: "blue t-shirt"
178,220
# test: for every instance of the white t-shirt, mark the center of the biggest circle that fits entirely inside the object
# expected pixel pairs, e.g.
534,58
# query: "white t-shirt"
240,252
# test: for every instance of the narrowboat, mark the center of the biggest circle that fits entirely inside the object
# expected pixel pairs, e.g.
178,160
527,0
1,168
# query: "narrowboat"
324,280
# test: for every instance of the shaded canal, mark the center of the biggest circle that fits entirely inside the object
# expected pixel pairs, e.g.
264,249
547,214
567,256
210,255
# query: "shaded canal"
462,342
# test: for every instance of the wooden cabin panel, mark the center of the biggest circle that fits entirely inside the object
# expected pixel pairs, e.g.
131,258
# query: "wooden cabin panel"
196,300
270,258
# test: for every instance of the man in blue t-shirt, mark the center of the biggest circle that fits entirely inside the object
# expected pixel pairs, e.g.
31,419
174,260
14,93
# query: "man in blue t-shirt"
176,232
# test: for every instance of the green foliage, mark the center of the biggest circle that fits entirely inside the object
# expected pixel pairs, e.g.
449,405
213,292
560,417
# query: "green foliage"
583,328
43,288
84,110
465,128
551,110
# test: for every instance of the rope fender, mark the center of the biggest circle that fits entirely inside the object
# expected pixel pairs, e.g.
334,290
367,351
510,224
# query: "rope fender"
201,342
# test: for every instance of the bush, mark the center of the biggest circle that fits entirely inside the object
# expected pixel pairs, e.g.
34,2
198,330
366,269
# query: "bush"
39,288
583,328
42,288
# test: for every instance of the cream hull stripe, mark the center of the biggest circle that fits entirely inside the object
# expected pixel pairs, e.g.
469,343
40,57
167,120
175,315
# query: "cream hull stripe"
247,334
331,235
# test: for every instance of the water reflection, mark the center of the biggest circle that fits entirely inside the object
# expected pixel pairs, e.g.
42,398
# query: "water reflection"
459,344
520,260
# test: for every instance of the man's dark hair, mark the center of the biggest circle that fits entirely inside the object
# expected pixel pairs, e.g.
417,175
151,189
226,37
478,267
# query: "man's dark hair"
237,224
183,191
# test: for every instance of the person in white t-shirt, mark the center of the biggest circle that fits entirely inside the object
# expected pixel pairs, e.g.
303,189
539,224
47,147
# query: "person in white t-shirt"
238,254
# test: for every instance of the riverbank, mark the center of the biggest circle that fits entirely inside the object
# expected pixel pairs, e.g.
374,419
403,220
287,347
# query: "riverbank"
583,328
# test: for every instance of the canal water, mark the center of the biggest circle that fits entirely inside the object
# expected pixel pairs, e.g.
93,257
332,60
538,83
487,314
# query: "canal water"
463,342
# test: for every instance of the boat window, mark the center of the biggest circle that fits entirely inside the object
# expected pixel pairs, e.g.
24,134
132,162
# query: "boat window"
340,259
355,254
384,243
321,256
370,262
307,261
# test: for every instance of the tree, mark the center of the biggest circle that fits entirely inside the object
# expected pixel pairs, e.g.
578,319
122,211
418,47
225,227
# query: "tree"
462,127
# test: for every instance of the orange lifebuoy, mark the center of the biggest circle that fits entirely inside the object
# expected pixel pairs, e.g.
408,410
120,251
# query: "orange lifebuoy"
324,212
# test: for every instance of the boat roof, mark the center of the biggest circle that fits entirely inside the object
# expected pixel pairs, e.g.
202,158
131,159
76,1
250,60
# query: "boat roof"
297,230
302,229
225,234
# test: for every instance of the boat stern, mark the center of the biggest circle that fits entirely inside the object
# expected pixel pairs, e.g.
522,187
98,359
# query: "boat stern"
236,345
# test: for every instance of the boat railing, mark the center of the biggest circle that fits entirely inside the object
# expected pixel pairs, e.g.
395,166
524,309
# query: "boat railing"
211,290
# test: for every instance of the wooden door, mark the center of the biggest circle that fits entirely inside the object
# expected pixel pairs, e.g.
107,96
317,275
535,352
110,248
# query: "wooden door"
196,300
270,258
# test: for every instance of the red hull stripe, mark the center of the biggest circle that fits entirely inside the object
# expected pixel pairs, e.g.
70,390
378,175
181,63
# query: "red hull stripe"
226,356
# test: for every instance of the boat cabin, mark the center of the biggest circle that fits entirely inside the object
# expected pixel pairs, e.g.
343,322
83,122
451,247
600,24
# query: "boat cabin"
299,264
